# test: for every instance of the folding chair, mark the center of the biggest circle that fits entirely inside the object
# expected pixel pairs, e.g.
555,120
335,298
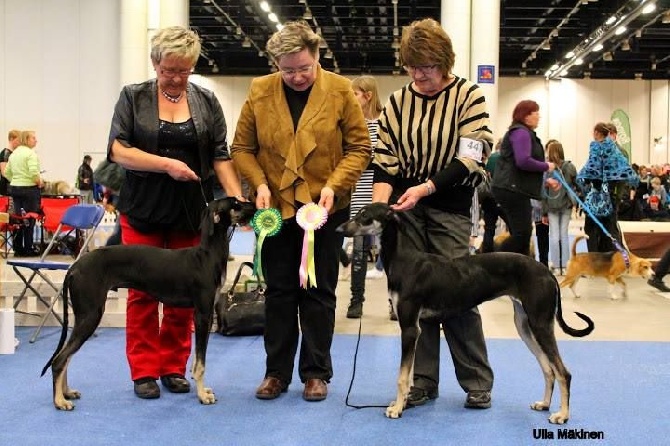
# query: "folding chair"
80,217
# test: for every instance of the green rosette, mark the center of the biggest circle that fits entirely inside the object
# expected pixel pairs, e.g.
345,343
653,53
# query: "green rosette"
266,223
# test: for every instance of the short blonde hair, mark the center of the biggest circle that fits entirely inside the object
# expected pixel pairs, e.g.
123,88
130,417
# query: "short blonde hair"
293,38
175,41
368,84
656,181
23,137
426,42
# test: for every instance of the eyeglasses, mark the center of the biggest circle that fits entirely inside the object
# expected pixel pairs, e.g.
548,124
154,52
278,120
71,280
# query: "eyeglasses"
423,69
173,72
291,72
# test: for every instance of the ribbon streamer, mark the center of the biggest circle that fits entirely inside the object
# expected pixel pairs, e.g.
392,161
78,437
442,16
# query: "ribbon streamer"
266,223
310,217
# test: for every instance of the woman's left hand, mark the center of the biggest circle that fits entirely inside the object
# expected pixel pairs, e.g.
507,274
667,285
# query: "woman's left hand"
410,198
327,198
553,184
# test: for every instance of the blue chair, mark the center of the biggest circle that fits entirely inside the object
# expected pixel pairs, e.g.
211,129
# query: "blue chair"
80,217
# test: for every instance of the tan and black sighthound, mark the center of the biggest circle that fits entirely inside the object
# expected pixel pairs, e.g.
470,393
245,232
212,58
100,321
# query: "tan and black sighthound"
186,277
419,282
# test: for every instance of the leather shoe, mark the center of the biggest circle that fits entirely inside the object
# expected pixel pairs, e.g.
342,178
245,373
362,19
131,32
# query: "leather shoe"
147,389
271,388
418,396
315,390
176,383
478,399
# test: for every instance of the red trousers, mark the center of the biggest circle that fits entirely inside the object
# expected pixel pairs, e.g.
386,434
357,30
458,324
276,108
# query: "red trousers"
154,347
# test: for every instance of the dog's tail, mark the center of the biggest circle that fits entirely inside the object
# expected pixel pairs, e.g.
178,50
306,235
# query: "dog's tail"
575,242
63,334
564,326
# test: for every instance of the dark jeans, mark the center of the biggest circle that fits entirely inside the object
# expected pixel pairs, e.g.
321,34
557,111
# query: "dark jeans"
663,265
359,267
291,310
518,215
27,198
598,241
542,237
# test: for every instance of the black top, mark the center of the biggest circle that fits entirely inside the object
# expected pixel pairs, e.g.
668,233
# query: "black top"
297,100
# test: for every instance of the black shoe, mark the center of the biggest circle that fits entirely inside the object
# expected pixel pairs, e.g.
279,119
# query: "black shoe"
478,399
419,397
176,383
147,389
355,310
658,284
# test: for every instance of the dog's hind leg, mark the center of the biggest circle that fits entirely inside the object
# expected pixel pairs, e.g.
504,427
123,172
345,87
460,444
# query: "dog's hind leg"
526,334
624,288
570,282
203,324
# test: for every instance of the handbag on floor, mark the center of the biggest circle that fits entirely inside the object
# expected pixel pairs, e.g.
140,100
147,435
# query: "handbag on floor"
241,311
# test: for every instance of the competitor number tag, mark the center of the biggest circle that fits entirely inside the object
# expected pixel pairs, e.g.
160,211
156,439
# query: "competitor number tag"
469,148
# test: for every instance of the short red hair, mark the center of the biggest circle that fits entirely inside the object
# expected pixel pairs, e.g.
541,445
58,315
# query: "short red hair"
523,109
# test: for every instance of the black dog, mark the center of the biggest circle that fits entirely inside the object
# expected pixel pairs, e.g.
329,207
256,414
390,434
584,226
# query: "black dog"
420,282
185,277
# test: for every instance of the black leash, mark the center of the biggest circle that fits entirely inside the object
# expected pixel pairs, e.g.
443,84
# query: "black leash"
353,374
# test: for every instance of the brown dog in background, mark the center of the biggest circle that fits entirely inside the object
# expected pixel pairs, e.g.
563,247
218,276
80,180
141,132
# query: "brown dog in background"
500,238
608,265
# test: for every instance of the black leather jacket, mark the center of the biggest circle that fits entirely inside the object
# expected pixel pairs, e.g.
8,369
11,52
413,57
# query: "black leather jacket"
135,124
508,176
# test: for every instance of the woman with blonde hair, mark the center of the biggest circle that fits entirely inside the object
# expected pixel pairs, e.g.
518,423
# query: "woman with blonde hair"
365,89
23,173
558,204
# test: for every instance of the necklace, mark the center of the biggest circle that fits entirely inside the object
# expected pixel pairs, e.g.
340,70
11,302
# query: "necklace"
173,99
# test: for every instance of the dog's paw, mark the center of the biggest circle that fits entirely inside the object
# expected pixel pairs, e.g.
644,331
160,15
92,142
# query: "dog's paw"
63,404
72,394
539,405
558,418
207,397
394,410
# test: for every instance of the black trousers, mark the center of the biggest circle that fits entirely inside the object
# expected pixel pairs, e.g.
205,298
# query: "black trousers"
518,215
359,266
291,310
542,237
598,241
663,265
29,199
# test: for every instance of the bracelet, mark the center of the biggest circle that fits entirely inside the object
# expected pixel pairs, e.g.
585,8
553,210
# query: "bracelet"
429,188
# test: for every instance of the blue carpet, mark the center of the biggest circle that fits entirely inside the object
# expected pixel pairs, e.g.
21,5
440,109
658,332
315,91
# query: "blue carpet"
619,388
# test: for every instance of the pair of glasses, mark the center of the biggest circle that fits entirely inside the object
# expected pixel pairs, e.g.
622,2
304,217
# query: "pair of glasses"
292,72
172,72
423,69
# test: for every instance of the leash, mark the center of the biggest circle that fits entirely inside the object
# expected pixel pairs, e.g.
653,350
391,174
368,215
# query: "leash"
353,374
624,253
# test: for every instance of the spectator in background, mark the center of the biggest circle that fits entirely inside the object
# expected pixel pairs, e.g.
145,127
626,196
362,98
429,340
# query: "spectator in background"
488,204
656,205
519,175
12,143
85,180
541,221
23,173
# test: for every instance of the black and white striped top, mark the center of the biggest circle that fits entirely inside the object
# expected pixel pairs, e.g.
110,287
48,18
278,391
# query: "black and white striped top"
419,137
362,193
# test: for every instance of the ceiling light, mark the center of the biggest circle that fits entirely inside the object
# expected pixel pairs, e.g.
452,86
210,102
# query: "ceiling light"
564,73
554,67
238,31
638,34
653,66
308,14
273,17
546,46
598,47
611,20
651,7
396,44
547,73
570,55
280,26
607,57
585,2
328,55
522,73
246,43
215,69
265,6
625,45
638,76
587,75
579,61
666,17
620,30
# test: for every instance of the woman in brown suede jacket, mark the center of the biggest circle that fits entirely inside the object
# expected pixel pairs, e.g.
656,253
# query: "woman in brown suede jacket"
301,138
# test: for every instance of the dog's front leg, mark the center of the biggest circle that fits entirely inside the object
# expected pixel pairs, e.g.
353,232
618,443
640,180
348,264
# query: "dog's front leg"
408,338
202,325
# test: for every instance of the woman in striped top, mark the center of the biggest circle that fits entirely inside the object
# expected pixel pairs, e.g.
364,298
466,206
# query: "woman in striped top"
432,133
365,89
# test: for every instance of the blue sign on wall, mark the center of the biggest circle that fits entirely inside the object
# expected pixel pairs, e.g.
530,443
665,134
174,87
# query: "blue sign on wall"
486,74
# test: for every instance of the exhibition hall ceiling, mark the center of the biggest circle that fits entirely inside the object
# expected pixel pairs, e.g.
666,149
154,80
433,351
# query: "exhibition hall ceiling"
361,36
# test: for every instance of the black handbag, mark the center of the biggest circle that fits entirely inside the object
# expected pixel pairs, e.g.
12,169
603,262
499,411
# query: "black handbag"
241,313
